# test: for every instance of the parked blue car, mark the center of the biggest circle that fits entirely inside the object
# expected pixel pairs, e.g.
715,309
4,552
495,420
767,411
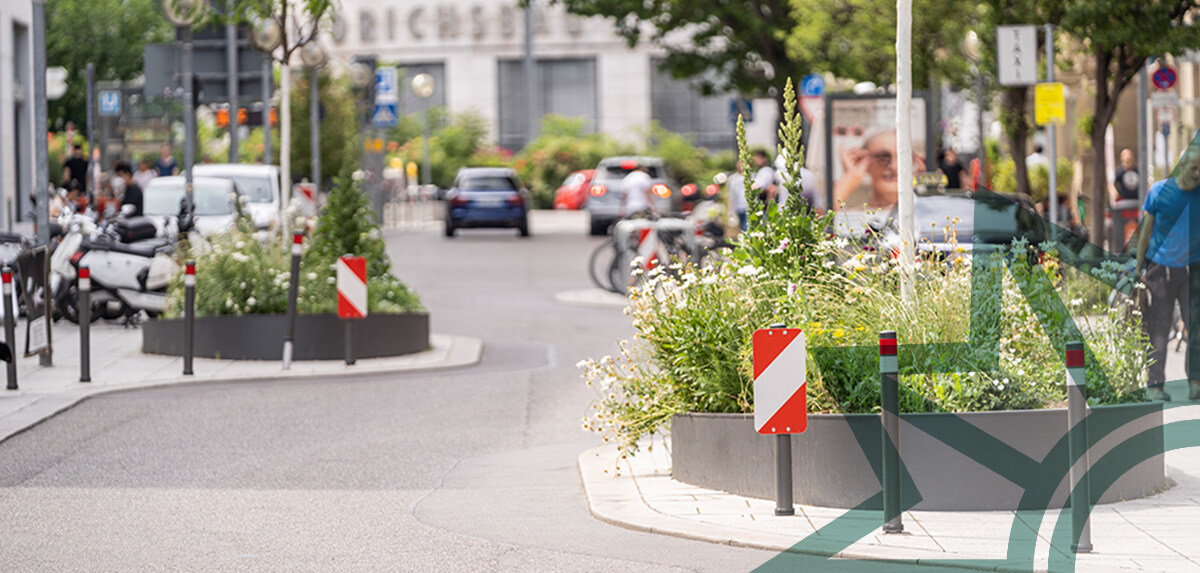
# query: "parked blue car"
487,197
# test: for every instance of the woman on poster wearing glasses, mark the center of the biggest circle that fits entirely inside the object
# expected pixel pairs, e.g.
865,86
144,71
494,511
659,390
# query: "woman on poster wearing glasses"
876,159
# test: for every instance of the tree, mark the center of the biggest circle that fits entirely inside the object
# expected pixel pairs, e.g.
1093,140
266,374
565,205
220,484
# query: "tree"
108,33
338,125
288,25
1120,35
742,47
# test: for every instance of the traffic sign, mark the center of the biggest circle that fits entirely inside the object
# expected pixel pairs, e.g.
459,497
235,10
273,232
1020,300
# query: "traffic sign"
1016,55
1049,105
110,102
743,107
384,115
1164,77
352,287
1164,99
780,405
386,88
812,85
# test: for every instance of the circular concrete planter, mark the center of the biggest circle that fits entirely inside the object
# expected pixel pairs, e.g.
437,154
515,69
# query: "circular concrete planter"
830,468
318,337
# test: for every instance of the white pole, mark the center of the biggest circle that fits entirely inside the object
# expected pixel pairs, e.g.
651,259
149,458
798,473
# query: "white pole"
1051,136
904,151
285,143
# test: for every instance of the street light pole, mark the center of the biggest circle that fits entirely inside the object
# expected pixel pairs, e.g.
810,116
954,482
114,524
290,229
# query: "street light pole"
423,87
530,80
314,119
189,114
231,58
42,170
904,153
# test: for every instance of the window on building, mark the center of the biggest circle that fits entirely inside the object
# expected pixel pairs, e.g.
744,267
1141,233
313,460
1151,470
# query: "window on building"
678,106
564,87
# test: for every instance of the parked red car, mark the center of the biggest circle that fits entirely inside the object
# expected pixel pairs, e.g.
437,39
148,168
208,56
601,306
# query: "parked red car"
573,192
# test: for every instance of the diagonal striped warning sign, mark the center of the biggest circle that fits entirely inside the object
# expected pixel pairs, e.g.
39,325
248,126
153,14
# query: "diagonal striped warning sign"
780,406
352,287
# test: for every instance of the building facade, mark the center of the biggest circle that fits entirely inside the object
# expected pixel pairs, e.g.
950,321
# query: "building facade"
16,109
474,51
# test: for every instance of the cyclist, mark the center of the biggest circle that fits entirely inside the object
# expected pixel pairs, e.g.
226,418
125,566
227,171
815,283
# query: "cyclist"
637,202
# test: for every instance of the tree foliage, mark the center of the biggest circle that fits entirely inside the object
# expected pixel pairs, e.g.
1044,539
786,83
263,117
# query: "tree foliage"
338,125
108,33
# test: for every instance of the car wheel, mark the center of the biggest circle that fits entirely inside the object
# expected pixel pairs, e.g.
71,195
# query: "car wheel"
523,228
450,229
599,228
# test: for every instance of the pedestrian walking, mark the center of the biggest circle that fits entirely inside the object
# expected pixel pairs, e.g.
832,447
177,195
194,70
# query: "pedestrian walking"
1168,262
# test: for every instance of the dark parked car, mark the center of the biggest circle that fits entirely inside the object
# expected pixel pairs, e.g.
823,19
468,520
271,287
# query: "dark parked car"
487,197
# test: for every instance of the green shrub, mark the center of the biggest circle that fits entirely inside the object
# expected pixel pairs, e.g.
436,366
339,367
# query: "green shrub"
561,148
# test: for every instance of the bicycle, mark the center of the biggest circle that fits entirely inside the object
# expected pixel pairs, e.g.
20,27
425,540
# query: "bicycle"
659,245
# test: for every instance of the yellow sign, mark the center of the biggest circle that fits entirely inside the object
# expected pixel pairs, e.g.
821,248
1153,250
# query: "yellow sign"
411,170
1048,104
373,144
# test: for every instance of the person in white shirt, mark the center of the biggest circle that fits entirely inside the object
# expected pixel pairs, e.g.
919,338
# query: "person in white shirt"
636,199
1037,157
764,178
808,183
144,173
736,186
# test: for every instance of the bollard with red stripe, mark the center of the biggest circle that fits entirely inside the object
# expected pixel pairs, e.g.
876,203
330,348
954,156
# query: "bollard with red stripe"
1077,446
293,293
84,308
189,316
889,411
780,403
352,297
10,327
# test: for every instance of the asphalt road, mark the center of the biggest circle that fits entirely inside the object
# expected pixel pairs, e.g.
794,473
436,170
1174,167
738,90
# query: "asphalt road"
471,469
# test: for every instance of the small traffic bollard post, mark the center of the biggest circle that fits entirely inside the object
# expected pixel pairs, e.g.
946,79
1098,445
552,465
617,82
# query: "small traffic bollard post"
84,306
890,413
10,328
289,337
1077,446
189,316
784,505
352,297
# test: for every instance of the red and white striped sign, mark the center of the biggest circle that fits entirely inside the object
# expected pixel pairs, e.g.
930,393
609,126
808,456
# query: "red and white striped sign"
780,406
352,287
648,248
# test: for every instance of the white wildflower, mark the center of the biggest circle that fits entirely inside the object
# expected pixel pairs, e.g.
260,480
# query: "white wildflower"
749,270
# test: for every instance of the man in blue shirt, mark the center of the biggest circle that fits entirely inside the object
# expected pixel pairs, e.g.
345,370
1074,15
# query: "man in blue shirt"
1168,261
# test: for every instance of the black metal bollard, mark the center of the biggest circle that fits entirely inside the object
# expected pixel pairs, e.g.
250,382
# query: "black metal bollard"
289,337
10,328
890,412
189,316
350,360
1077,445
84,306
784,504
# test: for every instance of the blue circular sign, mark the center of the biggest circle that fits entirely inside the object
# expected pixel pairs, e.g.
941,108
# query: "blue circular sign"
1164,77
812,85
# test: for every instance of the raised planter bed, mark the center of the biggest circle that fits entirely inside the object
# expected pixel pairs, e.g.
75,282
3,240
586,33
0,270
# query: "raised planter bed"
318,337
830,468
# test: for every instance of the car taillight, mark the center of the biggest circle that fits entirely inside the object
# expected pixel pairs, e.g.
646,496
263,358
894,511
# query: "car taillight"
688,190
629,165
597,190
661,190
516,201
712,190
459,201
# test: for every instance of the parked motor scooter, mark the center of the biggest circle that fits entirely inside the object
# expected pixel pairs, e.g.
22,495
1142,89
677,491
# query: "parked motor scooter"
133,277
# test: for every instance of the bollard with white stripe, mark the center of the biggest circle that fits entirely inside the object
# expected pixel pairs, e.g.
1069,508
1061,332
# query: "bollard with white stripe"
293,292
84,306
1077,445
189,316
10,328
352,297
889,410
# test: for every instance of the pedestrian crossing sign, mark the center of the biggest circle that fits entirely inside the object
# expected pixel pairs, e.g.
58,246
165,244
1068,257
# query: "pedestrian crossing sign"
384,115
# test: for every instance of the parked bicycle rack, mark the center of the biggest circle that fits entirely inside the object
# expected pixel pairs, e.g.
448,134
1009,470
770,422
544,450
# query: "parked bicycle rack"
632,240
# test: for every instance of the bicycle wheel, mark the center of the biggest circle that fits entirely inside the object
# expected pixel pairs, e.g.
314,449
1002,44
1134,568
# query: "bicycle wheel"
601,264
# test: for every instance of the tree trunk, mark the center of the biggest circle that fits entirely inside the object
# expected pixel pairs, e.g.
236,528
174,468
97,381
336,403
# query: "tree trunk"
1101,116
1014,103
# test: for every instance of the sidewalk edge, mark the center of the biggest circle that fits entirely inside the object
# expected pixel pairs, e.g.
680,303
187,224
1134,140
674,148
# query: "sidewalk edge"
461,351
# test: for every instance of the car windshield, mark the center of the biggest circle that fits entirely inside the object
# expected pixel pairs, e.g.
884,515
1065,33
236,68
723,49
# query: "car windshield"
617,171
162,198
488,183
255,189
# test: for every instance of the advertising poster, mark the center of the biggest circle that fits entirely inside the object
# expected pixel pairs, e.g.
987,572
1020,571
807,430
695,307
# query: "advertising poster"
860,149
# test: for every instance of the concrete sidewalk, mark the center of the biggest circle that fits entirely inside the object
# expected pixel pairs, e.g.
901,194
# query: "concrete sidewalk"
1158,533
117,363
